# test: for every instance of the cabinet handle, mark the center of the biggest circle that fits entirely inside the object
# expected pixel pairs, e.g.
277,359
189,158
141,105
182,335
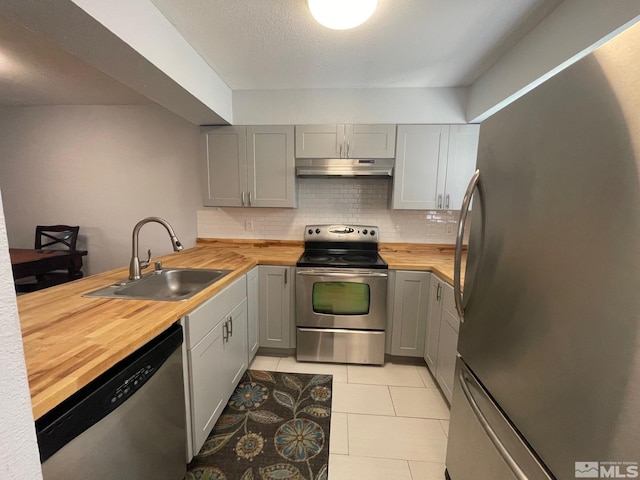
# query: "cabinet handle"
225,332
285,275
438,294
440,201
231,329
249,198
446,203
348,147
340,150
242,197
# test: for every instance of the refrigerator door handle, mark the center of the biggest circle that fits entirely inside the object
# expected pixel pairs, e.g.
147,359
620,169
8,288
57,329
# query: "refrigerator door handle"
457,262
504,453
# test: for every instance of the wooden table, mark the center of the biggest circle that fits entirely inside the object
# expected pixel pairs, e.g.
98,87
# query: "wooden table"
27,262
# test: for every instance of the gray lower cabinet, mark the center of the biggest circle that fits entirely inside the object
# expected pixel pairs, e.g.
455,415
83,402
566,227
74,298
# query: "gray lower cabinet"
216,352
433,323
441,343
277,327
410,306
253,330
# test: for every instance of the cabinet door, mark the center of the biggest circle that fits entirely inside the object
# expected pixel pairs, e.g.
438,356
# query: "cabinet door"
447,348
447,342
274,307
410,306
433,324
209,388
461,162
271,167
252,314
226,166
235,349
421,153
319,141
370,141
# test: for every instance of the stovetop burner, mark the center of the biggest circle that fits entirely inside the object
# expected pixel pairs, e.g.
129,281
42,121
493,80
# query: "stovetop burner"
341,246
317,258
359,258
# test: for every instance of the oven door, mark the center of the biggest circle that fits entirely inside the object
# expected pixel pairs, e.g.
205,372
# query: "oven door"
341,298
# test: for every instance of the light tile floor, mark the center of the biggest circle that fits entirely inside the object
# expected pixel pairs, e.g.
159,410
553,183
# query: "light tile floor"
387,423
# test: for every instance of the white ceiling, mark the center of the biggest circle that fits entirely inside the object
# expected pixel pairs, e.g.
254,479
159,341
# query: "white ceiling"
34,71
276,44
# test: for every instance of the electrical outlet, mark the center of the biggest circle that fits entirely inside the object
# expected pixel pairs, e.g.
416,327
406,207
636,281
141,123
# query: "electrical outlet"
451,228
248,225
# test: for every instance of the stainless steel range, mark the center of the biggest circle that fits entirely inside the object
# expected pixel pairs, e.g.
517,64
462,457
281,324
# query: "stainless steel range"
341,295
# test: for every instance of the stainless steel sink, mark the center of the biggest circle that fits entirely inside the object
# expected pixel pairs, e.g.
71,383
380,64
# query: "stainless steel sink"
171,284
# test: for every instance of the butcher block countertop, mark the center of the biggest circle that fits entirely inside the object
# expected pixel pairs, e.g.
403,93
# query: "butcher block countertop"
69,340
400,256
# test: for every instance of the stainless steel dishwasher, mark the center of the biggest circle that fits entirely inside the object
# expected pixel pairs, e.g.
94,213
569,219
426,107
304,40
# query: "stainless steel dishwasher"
129,423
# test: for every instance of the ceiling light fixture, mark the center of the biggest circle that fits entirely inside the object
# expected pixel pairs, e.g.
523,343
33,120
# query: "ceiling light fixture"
342,14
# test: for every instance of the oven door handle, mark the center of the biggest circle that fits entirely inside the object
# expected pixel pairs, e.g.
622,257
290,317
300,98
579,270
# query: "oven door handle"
332,273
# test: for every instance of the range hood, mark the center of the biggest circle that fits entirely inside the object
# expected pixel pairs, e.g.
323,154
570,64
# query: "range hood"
344,167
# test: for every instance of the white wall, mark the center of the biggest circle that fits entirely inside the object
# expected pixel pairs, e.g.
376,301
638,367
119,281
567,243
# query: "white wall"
136,23
19,456
574,29
103,168
360,201
368,105
136,45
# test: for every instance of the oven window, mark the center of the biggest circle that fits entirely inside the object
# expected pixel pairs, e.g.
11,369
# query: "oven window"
341,298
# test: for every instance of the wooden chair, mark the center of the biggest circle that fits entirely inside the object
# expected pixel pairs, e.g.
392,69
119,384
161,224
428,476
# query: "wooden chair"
51,237
56,237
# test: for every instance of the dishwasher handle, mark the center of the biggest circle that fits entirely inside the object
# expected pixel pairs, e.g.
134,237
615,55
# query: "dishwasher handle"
103,395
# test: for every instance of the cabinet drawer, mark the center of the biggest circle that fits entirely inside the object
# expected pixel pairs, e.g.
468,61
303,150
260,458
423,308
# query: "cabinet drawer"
201,320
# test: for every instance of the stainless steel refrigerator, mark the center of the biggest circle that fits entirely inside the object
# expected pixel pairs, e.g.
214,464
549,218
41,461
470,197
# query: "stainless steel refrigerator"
548,375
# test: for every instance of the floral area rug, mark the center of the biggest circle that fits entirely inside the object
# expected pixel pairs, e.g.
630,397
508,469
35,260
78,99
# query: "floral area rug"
274,427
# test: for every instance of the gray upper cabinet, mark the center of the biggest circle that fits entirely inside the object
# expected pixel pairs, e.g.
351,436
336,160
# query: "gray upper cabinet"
433,165
250,166
345,141
319,141
226,166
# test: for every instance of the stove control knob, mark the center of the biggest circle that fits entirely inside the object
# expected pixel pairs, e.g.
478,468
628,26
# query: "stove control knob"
364,231
372,232
317,230
310,231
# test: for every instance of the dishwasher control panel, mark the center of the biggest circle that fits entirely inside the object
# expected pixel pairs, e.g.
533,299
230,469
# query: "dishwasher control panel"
132,384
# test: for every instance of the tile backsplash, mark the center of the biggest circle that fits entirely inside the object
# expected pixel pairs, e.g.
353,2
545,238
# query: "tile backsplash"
360,201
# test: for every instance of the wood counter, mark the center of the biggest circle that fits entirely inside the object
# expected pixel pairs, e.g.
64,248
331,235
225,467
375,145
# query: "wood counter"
69,340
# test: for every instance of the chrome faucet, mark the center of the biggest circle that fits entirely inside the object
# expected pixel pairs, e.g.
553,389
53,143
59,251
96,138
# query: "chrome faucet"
136,266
